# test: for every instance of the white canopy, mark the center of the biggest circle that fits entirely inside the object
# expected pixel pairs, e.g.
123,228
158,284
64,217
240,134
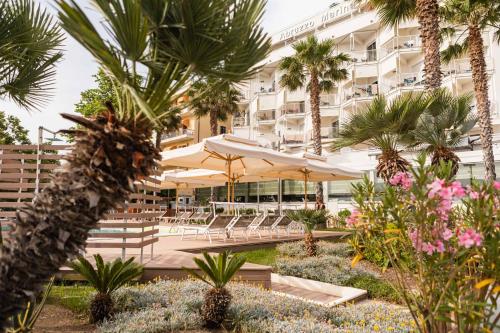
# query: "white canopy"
202,175
170,180
230,154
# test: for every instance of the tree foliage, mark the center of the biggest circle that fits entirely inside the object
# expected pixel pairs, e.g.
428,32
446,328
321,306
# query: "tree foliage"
92,100
30,43
11,130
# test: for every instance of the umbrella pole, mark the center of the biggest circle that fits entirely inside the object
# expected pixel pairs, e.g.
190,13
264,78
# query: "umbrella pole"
176,198
228,184
258,196
305,190
234,203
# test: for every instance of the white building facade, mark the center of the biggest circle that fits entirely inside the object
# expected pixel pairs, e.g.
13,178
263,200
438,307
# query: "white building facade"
386,61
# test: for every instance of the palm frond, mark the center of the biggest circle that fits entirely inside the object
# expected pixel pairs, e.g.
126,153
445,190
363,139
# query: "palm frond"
392,12
454,51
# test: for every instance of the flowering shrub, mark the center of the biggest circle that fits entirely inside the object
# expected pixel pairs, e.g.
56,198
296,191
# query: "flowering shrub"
452,249
297,249
173,306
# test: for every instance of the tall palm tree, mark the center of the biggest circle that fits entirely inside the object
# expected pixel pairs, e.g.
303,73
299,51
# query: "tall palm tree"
382,125
30,45
169,42
392,12
216,99
472,17
442,126
316,66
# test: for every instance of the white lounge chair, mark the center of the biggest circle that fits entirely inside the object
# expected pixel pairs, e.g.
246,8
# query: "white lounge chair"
219,225
241,224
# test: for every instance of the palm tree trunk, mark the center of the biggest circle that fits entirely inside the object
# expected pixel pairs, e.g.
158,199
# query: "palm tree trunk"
480,81
448,156
213,122
158,139
316,133
108,156
390,163
310,244
428,18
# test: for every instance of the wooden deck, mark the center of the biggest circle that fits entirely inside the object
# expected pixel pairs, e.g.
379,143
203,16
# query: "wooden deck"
170,264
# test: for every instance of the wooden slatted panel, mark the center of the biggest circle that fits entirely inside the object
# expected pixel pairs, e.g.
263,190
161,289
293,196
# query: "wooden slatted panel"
22,167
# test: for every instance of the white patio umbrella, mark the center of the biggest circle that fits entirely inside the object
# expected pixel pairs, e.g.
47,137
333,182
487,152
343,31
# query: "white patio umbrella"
231,154
171,180
316,169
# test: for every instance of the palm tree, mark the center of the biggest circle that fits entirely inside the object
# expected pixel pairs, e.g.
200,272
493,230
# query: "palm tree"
216,99
392,12
105,278
30,45
169,42
472,17
382,125
316,59
442,126
309,218
218,271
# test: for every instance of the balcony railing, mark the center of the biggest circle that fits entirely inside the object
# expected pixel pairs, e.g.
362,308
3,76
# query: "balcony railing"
329,100
293,109
239,122
327,133
173,134
361,91
293,138
266,115
362,56
401,43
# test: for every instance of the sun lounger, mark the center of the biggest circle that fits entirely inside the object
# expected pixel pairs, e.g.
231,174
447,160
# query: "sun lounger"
219,225
242,224
284,224
179,219
267,224
193,218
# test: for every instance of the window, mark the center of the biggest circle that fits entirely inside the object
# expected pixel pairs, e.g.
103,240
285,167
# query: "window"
371,52
223,130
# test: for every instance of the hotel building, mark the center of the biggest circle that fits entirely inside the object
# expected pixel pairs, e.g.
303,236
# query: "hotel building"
387,61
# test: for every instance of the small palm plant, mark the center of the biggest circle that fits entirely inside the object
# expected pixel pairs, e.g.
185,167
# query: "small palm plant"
105,278
309,218
442,126
382,125
218,271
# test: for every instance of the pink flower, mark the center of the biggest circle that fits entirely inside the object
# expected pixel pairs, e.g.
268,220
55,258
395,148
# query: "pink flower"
428,248
474,195
496,185
446,234
435,187
469,238
416,240
457,189
352,220
403,179
439,246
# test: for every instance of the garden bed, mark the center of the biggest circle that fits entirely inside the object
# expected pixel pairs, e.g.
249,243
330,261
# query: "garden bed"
331,265
171,306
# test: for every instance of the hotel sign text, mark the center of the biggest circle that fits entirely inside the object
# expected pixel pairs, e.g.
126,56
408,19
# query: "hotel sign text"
331,15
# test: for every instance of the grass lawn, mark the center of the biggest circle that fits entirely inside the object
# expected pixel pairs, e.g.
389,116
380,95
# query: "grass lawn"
262,256
73,297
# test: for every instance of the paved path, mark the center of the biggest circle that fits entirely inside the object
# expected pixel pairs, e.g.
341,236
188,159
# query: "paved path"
310,295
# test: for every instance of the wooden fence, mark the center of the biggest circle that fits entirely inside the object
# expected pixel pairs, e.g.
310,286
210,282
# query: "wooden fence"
26,169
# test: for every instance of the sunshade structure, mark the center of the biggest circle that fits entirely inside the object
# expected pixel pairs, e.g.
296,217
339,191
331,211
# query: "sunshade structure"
316,169
233,155
171,179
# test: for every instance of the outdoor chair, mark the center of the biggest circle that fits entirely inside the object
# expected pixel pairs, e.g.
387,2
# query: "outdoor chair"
179,219
267,224
242,224
219,225
284,224
193,218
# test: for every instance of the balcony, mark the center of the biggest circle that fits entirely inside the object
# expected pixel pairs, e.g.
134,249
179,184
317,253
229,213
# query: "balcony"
266,117
329,105
327,133
239,122
179,135
361,92
362,56
404,44
293,138
293,110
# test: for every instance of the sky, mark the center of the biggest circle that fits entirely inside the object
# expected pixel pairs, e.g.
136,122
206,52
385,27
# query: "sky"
74,72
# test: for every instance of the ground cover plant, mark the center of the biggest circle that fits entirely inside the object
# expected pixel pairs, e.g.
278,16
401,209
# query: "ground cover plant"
451,249
172,306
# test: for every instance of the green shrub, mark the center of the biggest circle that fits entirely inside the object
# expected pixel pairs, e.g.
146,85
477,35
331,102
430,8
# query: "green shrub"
296,249
376,288
219,210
